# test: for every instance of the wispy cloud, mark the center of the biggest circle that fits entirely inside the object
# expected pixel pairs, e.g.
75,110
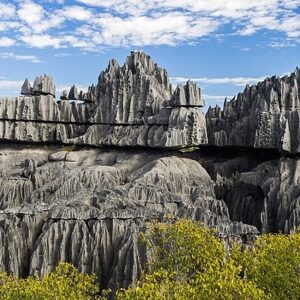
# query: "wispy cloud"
63,54
238,81
10,84
92,24
6,42
11,55
67,87
216,98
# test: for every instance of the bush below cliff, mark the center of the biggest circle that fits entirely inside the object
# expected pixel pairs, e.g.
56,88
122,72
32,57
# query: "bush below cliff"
189,261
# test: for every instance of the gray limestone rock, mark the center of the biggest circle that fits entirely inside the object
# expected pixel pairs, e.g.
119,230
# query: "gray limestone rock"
43,85
73,94
133,92
87,207
26,88
265,115
264,194
64,95
188,95
126,108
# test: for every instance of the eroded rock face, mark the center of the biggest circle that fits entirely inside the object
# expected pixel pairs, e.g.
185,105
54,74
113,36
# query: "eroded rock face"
263,194
131,105
88,206
265,115
187,96
43,85
131,93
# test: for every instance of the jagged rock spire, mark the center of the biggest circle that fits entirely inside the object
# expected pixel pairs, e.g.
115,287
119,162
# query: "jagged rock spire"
188,95
265,115
43,85
73,94
64,95
132,92
26,88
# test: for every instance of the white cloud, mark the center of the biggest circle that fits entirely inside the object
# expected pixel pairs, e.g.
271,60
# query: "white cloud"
63,54
37,18
170,28
238,81
7,25
42,41
77,13
215,98
92,24
291,26
6,42
10,84
31,12
283,43
7,11
11,55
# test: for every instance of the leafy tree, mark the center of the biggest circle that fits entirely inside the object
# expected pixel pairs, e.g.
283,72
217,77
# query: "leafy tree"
190,262
273,263
66,282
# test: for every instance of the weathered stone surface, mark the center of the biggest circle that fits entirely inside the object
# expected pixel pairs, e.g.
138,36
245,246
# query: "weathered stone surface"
26,88
126,108
44,85
64,95
264,194
88,206
73,94
133,92
188,95
265,115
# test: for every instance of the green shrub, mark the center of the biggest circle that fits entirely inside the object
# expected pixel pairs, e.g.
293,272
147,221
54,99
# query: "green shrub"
190,262
69,148
65,283
273,263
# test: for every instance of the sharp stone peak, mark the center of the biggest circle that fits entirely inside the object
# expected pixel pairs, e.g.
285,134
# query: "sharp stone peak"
137,59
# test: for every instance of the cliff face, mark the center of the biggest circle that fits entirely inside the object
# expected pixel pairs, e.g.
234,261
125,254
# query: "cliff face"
265,115
130,106
87,205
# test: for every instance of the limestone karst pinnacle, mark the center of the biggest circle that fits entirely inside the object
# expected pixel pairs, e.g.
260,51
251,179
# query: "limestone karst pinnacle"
265,115
86,205
42,85
130,106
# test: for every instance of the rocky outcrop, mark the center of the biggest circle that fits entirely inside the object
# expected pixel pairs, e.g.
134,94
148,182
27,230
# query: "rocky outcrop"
188,95
132,105
42,85
264,194
265,115
88,206
131,93
73,94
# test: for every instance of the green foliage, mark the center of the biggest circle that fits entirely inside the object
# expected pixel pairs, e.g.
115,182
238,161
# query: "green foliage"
69,148
63,284
190,262
188,149
274,265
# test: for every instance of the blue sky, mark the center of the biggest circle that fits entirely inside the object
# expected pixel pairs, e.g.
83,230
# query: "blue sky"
221,44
